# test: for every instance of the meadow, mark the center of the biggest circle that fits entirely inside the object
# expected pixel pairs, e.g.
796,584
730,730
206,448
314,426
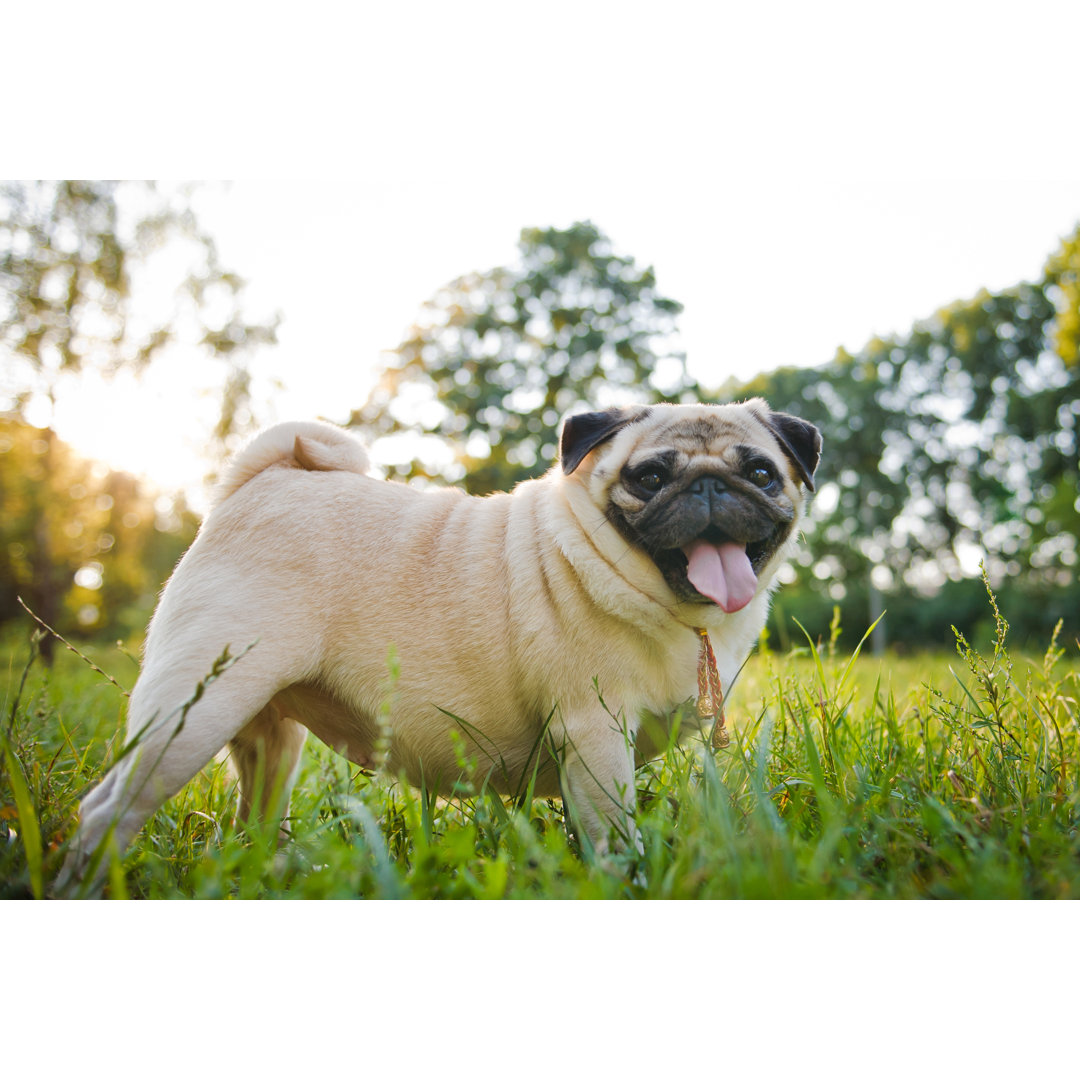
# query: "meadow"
952,775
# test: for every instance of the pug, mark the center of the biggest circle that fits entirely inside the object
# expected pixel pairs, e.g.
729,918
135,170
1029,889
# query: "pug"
519,640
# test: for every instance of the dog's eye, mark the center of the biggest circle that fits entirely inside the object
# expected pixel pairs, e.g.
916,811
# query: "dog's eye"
761,476
651,479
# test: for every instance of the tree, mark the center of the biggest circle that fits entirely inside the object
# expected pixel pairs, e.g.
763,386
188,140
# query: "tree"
69,255
954,442
497,358
69,252
110,541
1062,278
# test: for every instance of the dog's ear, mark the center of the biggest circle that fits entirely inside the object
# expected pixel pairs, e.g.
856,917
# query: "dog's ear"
800,440
586,431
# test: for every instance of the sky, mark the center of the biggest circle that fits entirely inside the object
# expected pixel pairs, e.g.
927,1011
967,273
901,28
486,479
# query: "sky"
801,177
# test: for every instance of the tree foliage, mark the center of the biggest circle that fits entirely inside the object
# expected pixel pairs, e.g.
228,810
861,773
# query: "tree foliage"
70,252
95,539
954,443
496,358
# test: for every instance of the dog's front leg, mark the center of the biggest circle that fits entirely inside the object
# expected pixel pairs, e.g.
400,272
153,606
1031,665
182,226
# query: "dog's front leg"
596,756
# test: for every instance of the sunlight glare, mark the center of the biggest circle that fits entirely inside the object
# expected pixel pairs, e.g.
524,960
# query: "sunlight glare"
141,426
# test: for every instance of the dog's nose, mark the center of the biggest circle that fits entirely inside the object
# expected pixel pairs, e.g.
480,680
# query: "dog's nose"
708,487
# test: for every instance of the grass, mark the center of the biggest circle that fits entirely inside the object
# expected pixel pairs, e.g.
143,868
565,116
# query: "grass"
903,777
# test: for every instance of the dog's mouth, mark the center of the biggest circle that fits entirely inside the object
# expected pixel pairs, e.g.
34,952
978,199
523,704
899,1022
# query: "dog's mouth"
715,567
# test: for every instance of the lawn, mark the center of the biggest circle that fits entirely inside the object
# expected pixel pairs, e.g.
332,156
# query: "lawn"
948,776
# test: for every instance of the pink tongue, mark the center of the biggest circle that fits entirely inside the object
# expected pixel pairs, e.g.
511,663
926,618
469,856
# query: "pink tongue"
722,572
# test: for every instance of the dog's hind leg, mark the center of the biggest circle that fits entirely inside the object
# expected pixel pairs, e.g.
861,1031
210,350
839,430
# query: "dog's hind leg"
184,709
266,756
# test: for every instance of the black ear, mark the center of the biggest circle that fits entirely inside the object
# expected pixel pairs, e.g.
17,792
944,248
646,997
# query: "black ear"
800,440
586,431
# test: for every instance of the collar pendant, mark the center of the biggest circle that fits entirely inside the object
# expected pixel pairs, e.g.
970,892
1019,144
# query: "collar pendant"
710,701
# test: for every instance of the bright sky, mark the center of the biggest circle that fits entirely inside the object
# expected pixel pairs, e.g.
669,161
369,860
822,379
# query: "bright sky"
801,176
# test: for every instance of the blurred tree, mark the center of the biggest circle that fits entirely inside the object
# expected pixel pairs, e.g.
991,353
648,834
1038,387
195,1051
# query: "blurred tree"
110,543
1062,278
954,443
68,252
498,357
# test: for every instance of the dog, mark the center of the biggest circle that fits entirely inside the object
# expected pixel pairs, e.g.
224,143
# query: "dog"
534,629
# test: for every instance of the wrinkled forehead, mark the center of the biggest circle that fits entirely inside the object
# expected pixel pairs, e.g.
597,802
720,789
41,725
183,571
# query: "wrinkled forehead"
724,434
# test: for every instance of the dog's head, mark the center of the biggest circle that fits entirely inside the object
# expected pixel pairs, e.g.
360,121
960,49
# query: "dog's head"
710,492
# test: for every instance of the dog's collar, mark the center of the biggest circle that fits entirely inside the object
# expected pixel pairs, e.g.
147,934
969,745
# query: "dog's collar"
710,701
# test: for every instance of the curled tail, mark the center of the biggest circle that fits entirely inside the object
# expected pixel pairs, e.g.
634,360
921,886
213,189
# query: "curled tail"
305,444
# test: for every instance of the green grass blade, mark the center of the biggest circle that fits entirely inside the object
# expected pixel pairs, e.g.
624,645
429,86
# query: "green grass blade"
963,686
385,875
817,773
816,657
858,649
29,828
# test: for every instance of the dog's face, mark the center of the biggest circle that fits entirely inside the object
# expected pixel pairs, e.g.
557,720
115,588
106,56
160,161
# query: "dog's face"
710,493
